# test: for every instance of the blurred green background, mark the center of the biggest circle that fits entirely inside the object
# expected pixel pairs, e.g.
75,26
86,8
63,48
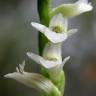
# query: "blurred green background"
18,37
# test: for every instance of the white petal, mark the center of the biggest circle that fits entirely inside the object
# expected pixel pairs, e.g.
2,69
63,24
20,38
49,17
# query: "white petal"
39,27
53,51
59,20
65,60
34,57
72,31
32,80
83,6
52,36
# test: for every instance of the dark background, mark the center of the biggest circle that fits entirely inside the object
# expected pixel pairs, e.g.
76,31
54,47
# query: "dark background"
17,37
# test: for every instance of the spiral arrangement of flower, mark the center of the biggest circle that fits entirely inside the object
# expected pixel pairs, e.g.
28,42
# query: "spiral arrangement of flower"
54,26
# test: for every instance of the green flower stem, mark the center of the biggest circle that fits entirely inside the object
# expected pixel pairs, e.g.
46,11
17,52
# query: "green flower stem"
43,10
44,14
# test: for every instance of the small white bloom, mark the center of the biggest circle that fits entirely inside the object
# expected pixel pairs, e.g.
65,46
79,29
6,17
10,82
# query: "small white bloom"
31,80
71,10
57,30
48,64
51,59
53,66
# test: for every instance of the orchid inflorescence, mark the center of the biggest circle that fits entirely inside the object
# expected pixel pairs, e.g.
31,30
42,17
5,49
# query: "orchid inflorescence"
51,59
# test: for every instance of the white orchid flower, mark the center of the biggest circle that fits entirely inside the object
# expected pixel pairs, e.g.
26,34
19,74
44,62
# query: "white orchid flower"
71,10
32,80
57,30
51,59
